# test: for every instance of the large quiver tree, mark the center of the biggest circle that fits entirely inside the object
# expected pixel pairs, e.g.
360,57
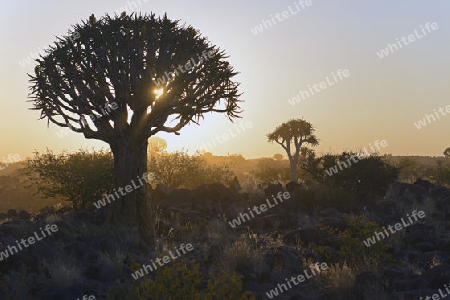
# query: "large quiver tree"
125,78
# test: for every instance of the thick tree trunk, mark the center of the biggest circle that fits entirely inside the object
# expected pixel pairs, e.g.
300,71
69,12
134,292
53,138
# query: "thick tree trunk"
130,169
294,169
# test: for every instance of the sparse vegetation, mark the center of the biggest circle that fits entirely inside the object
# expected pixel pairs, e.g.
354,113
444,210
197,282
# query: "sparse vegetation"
183,280
73,176
368,178
229,258
179,169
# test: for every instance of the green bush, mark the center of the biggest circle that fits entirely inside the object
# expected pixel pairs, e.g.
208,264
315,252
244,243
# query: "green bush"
352,249
182,281
79,177
367,178
271,174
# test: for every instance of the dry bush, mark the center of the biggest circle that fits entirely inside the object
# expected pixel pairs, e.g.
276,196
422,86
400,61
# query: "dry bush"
338,278
218,232
240,255
64,272
114,261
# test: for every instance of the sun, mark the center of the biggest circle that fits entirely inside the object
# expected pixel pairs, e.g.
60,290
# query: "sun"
158,92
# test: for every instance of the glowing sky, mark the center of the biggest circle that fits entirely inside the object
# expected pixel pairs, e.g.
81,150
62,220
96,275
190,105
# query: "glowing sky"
381,99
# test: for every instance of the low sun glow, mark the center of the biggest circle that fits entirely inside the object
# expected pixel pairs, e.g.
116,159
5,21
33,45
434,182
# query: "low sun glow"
158,92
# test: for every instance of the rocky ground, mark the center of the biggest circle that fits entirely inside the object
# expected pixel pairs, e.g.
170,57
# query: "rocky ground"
84,257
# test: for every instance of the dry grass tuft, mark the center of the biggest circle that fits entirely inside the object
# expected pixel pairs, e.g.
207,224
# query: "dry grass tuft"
64,272
338,278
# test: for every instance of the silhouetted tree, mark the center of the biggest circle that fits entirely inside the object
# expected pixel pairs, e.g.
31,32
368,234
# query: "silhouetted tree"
447,152
293,133
132,76
81,177
366,177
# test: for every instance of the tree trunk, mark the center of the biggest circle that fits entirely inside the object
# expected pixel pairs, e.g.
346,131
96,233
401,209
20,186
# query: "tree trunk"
130,169
294,169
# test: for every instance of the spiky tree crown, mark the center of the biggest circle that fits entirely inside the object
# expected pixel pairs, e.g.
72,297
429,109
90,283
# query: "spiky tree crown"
296,131
121,61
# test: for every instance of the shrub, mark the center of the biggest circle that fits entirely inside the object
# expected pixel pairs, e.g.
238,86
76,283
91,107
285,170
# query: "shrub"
352,249
80,177
271,174
179,169
182,281
442,174
64,272
408,169
367,178
240,255
272,170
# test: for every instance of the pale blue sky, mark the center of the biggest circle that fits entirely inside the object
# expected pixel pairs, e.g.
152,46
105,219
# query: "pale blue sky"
380,100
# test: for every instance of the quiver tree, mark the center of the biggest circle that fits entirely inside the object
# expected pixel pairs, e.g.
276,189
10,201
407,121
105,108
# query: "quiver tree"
125,79
292,135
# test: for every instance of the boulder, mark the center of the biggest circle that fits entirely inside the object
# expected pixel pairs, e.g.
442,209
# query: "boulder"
291,186
292,236
436,191
424,183
338,223
161,191
273,189
12,213
24,215
330,213
221,193
412,191
201,191
285,259
312,235
369,286
179,196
